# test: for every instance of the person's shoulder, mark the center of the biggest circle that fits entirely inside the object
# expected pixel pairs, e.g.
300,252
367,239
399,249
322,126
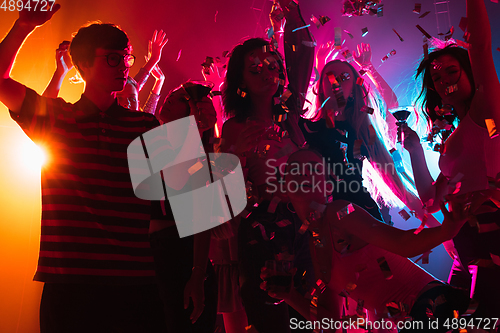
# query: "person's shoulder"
232,126
139,117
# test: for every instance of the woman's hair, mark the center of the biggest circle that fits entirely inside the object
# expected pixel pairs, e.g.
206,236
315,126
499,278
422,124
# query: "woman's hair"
381,163
240,107
429,99
235,105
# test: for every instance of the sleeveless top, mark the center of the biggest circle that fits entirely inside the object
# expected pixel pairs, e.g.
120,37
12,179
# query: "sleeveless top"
372,282
470,156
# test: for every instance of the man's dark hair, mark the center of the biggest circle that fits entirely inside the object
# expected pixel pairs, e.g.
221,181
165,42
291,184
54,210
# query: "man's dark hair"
93,36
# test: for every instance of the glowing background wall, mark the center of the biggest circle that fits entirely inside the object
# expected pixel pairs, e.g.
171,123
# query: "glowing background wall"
198,28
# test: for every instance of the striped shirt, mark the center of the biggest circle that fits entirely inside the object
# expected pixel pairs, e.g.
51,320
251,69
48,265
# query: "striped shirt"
94,229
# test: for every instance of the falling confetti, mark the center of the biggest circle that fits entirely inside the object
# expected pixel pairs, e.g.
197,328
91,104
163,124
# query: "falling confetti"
417,8
426,34
424,14
215,18
179,55
400,38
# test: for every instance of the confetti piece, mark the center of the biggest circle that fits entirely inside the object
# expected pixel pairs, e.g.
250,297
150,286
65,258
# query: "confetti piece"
364,31
300,28
390,54
357,149
215,18
425,33
193,169
451,89
270,32
304,227
283,223
347,55
380,11
179,55
400,38
345,211
262,230
404,214
316,75
360,81
422,225
315,21
424,14
350,287
278,80
367,109
273,204
384,267
338,38
278,118
436,65
492,129
251,329
309,43
241,93
350,35
418,8
317,207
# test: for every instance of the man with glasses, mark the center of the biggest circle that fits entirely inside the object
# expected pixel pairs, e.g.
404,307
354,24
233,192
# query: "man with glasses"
95,258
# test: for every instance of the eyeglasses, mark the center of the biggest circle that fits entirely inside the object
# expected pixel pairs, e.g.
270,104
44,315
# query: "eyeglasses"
114,59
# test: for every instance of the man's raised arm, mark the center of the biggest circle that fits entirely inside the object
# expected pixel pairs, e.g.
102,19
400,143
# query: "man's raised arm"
12,92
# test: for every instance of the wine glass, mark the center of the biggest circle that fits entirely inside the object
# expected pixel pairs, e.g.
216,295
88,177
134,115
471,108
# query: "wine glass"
401,113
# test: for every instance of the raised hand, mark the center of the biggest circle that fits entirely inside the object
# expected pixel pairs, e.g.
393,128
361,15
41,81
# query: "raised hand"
33,14
323,53
155,46
213,74
157,73
63,59
363,56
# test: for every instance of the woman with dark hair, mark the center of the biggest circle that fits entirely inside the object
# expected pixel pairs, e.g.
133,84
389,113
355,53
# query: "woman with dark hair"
459,96
263,132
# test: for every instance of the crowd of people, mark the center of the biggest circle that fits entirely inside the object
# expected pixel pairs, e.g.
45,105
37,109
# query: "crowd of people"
312,239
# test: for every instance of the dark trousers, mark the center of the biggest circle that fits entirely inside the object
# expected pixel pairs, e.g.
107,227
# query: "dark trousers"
84,308
173,264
